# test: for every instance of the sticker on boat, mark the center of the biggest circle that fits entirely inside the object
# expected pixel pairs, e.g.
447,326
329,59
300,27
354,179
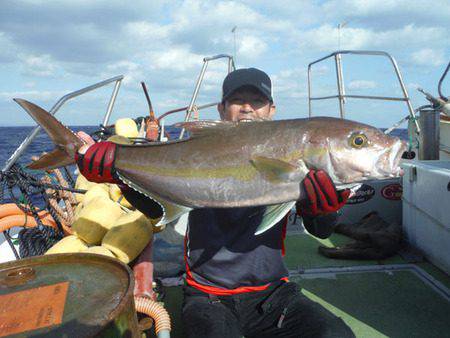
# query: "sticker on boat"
362,195
392,192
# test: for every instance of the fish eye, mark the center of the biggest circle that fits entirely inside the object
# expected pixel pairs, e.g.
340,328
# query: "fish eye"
358,140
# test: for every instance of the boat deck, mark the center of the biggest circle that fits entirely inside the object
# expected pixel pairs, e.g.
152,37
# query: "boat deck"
396,297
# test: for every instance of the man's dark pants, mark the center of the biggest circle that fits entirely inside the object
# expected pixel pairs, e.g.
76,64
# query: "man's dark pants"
279,311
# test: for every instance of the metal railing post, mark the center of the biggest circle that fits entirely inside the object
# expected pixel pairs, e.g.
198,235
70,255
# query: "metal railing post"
309,91
112,100
194,95
339,78
206,60
405,92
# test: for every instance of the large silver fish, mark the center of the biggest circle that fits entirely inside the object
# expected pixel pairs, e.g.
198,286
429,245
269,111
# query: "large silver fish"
227,164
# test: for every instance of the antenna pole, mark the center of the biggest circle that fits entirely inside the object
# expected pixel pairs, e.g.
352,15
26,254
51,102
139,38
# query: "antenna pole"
234,37
339,27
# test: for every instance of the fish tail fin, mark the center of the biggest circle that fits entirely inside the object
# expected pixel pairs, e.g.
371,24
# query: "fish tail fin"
52,160
66,141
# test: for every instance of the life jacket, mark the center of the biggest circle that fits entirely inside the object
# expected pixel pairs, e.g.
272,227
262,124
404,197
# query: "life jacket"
223,255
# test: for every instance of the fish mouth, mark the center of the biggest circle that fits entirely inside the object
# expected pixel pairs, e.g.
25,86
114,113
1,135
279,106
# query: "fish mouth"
398,157
392,168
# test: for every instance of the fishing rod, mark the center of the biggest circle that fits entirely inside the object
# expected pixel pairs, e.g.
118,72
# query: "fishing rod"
151,123
152,114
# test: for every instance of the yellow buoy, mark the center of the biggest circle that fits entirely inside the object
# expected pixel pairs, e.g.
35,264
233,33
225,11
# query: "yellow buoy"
95,219
126,127
77,210
118,139
100,250
96,191
83,184
128,236
66,245
116,195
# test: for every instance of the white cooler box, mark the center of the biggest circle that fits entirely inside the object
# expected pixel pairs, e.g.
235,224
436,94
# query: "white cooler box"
426,209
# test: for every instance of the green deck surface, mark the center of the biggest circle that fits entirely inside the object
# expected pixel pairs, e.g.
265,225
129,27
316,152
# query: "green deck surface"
379,304
301,252
373,304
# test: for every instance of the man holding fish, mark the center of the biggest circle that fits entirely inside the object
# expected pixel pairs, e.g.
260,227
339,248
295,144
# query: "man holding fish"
238,178
236,280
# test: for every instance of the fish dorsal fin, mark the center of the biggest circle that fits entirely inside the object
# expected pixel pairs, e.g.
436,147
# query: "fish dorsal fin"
276,170
272,215
205,127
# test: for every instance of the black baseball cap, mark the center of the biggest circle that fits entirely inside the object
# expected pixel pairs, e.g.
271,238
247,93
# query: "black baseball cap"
247,77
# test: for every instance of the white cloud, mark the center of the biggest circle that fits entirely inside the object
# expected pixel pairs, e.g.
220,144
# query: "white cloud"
174,58
30,84
163,42
251,47
400,11
146,31
290,84
132,71
412,86
38,65
362,84
325,37
428,57
32,95
7,47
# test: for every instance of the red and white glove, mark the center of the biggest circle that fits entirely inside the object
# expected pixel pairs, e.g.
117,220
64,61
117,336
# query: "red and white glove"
97,163
321,195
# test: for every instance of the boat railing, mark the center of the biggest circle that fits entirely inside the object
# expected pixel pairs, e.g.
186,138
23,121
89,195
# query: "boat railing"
206,61
161,118
24,145
342,96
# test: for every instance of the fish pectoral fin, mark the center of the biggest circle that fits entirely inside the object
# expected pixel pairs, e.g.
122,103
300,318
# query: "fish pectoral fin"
205,127
272,215
172,211
276,170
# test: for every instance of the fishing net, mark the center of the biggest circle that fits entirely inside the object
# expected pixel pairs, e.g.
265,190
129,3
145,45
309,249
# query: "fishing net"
35,194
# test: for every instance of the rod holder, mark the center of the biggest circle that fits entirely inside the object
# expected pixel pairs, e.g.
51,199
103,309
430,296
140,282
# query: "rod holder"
429,136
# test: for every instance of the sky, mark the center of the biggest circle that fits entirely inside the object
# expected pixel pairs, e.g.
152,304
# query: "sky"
49,48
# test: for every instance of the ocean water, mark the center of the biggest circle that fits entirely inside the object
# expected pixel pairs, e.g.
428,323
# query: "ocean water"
11,137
